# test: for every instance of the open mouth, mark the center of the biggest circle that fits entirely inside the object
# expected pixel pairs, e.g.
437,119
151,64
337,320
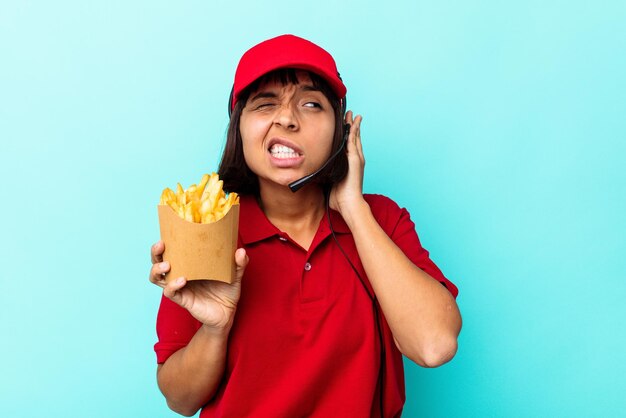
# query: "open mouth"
282,152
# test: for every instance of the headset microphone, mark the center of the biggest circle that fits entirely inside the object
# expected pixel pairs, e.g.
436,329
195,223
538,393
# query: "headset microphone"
298,184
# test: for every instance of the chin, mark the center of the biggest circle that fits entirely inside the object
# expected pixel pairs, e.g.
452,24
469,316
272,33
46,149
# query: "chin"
282,181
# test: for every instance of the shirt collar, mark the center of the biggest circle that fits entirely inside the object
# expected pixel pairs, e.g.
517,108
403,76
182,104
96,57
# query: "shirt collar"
254,225
339,225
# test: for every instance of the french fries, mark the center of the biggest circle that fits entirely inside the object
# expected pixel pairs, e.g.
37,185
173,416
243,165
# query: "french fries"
204,203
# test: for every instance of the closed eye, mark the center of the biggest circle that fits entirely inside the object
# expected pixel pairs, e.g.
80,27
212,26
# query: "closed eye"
263,105
263,100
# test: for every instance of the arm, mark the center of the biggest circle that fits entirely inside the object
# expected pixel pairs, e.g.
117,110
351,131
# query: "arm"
190,377
422,314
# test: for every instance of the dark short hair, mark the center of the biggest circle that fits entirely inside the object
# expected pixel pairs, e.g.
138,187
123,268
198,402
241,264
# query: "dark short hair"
233,169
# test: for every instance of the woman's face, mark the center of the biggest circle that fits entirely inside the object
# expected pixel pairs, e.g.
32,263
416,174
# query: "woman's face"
286,130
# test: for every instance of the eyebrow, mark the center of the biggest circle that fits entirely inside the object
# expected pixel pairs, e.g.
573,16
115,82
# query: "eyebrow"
263,95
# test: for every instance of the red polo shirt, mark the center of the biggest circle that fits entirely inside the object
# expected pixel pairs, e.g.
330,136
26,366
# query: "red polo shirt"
304,341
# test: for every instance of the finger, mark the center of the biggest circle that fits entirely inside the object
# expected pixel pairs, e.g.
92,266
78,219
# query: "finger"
359,144
159,269
241,258
241,261
172,289
156,252
348,117
356,128
157,273
352,137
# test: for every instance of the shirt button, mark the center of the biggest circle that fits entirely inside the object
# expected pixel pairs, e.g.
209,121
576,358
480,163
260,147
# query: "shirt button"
307,266
282,238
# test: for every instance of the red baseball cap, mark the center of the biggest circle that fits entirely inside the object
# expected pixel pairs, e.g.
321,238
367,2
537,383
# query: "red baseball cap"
286,51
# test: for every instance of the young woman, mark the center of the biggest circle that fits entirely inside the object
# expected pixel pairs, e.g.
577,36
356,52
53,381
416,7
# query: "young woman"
332,287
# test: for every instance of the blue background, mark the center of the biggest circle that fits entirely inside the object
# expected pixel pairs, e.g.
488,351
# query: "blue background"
500,125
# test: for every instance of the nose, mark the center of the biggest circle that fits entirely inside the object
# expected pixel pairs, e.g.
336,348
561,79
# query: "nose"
286,117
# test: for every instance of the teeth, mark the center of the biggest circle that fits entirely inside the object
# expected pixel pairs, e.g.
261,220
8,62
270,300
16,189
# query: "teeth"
281,151
277,148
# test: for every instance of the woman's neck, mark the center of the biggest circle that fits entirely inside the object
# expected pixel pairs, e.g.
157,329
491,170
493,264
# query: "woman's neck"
298,214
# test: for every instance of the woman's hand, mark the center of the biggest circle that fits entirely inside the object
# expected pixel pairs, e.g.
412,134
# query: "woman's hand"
348,194
211,302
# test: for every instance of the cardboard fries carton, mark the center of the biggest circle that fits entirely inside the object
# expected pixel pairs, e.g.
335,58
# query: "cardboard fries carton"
199,251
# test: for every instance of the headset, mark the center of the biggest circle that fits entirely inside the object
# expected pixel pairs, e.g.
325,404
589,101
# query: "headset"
297,185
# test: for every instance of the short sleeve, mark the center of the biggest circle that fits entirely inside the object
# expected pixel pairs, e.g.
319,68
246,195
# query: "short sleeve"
398,225
175,327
